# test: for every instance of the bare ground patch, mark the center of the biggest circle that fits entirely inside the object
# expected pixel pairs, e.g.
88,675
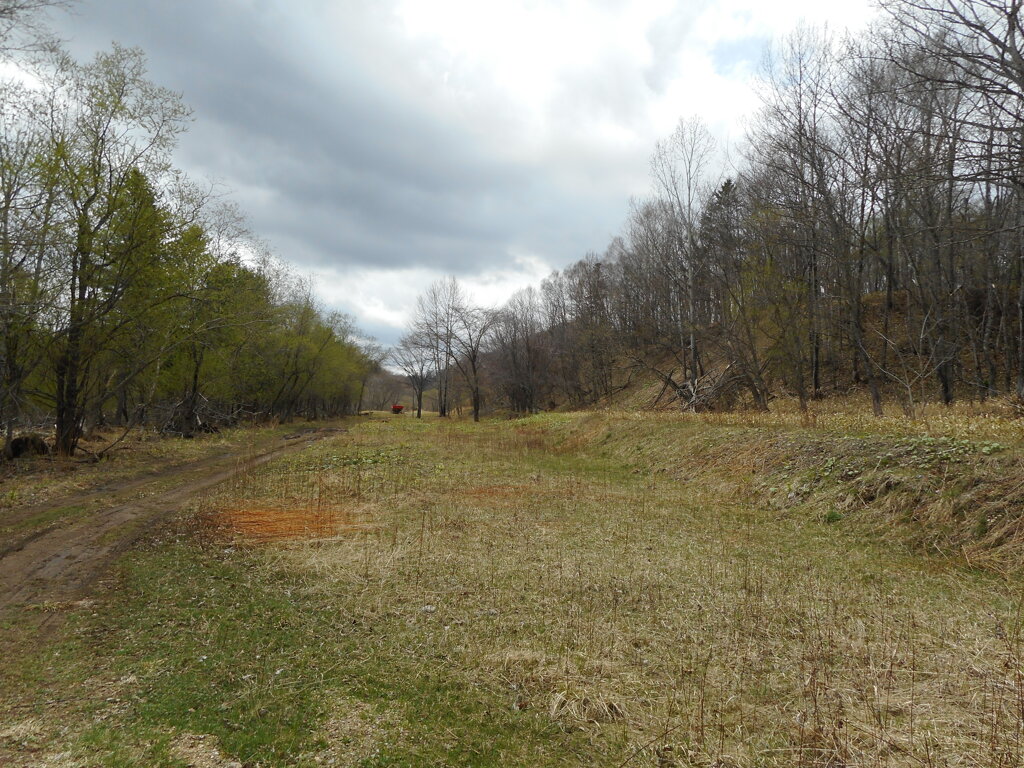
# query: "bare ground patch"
270,524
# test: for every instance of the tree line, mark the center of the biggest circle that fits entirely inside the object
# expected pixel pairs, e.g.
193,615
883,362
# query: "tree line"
868,234
128,293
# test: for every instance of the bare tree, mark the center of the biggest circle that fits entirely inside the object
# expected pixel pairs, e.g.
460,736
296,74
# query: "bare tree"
414,358
519,353
472,327
683,172
434,324
979,45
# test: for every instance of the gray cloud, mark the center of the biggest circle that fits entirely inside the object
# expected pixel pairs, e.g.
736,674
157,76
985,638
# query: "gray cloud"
667,37
357,147
337,149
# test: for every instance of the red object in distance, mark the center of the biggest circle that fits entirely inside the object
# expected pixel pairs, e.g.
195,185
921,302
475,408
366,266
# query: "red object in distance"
397,408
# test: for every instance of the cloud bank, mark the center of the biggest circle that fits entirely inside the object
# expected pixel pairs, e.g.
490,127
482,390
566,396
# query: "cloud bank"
381,145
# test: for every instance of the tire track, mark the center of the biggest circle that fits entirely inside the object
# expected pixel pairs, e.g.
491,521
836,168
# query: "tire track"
62,563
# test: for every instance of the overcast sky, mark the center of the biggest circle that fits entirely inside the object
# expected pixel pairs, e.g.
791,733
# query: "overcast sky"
382,144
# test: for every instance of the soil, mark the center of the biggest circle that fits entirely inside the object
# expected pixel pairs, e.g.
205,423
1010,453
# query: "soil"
256,524
62,563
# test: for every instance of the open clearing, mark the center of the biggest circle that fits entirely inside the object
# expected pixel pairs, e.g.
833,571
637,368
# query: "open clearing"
563,590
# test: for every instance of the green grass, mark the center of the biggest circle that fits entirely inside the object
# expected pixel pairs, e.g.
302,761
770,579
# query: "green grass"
563,590
222,644
46,517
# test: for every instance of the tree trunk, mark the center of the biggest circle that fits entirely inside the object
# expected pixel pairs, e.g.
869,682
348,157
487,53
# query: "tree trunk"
69,417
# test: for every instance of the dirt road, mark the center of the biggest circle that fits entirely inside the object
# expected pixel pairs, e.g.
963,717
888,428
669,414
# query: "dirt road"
62,562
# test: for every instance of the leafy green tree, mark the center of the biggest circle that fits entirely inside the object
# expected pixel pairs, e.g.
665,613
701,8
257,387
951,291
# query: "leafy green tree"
26,230
110,132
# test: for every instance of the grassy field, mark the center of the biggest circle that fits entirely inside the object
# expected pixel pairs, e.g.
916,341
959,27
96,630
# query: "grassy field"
608,590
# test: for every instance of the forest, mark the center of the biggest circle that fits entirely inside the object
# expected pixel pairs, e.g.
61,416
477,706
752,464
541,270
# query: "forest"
129,293
868,234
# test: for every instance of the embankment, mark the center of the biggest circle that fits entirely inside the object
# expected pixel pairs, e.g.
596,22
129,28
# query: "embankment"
949,496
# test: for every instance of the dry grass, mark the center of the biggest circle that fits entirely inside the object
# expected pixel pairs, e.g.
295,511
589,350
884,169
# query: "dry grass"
959,498
200,751
997,418
39,480
669,624
328,490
